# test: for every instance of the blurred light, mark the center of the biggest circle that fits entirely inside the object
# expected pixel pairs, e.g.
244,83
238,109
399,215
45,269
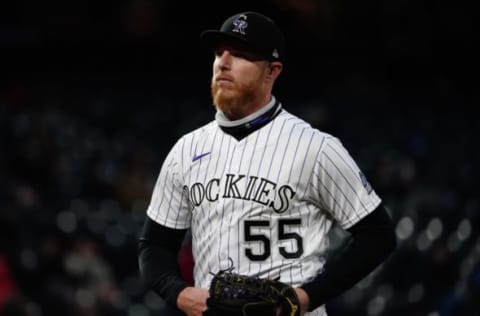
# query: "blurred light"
453,243
466,267
386,291
416,293
75,264
138,310
376,306
28,258
67,221
464,229
85,298
434,314
404,228
434,229
423,243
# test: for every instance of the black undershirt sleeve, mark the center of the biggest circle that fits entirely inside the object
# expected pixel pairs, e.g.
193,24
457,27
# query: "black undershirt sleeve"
158,248
372,240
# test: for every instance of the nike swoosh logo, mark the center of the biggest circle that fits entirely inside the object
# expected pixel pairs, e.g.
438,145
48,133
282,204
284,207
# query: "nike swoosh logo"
197,157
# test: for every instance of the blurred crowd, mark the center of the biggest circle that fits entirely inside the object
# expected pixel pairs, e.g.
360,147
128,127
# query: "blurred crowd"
91,101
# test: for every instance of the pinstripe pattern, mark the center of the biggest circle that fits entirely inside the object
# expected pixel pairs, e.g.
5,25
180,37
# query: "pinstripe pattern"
266,201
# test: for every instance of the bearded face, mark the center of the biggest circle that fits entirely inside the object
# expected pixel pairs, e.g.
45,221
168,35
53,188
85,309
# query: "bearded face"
238,82
232,95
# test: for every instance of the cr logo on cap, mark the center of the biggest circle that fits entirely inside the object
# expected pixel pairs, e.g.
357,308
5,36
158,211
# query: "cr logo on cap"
240,24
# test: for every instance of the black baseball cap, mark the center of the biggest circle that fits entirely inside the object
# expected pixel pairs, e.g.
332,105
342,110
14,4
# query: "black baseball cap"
257,31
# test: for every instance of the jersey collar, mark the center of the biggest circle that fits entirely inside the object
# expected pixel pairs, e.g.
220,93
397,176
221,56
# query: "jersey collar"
243,127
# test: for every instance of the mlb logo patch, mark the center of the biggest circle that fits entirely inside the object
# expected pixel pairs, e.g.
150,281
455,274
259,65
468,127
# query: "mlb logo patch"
365,182
240,24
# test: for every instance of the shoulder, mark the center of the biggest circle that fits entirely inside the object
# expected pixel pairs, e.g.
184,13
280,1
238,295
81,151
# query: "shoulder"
187,145
296,125
198,134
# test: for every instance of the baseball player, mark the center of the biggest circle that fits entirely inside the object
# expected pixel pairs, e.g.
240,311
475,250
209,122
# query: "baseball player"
259,188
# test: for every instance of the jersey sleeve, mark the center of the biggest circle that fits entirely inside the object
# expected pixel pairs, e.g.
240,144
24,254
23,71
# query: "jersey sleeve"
342,188
169,204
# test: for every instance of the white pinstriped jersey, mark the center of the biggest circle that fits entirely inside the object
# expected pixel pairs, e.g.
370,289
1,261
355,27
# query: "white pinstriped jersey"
265,202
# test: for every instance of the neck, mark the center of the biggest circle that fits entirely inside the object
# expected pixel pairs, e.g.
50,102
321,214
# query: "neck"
247,125
237,113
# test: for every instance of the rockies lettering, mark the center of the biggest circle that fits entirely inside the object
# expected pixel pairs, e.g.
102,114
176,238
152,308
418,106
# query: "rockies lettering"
264,202
241,187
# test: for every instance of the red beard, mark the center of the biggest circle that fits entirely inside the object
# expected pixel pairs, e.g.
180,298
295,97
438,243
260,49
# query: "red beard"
231,98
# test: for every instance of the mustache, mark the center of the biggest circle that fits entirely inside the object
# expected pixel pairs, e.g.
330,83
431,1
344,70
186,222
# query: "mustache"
222,77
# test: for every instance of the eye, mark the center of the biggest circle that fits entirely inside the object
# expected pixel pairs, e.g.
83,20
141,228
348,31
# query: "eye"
246,54
237,53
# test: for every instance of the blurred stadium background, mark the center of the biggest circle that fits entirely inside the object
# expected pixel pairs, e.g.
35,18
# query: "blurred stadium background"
94,93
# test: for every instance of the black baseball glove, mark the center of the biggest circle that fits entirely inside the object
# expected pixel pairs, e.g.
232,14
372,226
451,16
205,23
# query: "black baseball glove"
232,294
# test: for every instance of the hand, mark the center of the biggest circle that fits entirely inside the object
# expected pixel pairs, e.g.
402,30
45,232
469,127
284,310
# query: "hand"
304,300
193,301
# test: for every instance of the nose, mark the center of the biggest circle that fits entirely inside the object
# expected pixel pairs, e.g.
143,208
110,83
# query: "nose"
223,59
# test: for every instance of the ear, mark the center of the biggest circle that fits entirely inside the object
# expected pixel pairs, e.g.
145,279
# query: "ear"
274,70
